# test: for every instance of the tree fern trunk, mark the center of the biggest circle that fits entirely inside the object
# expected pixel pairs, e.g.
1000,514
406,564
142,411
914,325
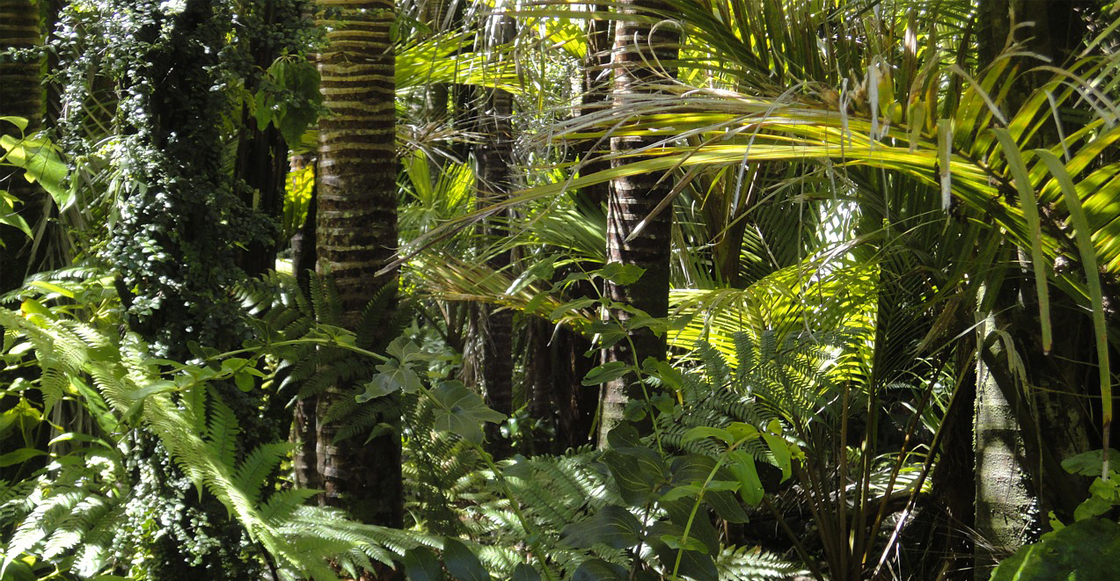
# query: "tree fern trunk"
638,48
21,95
357,232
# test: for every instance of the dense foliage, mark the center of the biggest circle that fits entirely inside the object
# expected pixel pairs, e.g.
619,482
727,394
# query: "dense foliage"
888,229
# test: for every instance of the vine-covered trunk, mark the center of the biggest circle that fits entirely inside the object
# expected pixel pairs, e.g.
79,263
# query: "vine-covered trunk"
356,234
21,95
642,57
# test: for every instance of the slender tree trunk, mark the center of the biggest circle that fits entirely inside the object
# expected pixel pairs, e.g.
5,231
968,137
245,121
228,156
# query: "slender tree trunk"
639,54
1021,435
357,232
21,95
494,157
1006,508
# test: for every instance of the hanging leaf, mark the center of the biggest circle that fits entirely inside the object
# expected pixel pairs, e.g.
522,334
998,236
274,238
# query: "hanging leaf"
622,274
695,470
1088,549
609,371
599,570
462,412
701,432
462,563
40,164
1089,463
421,564
525,572
639,472
612,526
750,486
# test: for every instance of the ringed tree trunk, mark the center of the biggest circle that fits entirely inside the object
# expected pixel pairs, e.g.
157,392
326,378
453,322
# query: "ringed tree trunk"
494,158
638,48
356,234
21,95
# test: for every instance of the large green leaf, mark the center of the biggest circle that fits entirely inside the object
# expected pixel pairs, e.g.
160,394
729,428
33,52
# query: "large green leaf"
462,563
612,526
462,412
421,564
639,473
1084,551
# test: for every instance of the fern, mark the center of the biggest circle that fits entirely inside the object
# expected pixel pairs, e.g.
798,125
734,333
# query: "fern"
752,564
76,512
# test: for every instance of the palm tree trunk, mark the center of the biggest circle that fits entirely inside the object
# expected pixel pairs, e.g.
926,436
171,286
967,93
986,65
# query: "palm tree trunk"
493,178
21,95
356,232
638,48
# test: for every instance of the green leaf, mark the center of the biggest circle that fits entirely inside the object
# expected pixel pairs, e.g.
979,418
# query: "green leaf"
462,412
639,473
525,572
575,305
1084,236
743,432
404,350
152,389
40,164
1087,550
19,456
780,448
19,122
622,274
681,543
9,217
695,469
1090,463
687,491
1029,203
742,466
244,381
297,82
462,563
701,432
609,371
612,526
392,378
599,570
421,564
696,564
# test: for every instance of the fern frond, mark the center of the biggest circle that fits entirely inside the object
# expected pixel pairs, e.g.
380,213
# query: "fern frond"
253,472
222,430
754,564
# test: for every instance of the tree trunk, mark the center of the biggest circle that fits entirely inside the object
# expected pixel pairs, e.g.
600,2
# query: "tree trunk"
1006,508
638,49
21,95
494,157
357,233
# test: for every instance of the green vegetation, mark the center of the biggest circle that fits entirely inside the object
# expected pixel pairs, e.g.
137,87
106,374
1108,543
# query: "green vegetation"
646,289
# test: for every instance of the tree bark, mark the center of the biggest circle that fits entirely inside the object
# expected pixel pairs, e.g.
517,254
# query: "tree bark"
21,95
357,233
640,52
494,157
